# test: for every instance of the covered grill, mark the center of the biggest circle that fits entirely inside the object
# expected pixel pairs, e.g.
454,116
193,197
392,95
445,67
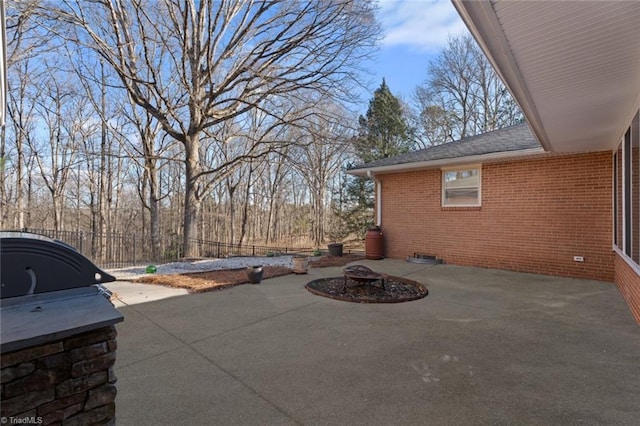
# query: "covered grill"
57,339
48,288
34,264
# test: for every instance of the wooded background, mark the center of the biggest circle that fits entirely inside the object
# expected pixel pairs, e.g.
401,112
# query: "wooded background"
222,120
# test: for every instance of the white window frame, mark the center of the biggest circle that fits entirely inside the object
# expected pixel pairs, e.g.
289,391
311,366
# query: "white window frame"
624,166
443,171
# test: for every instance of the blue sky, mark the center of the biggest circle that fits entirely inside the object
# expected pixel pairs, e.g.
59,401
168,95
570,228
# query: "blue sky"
414,32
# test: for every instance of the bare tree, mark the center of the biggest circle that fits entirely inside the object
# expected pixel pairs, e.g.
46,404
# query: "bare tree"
88,136
320,158
21,128
194,64
273,183
56,105
24,41
149,150
432,124
462,95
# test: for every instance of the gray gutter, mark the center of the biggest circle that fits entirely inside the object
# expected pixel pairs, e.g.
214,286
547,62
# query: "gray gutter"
365,171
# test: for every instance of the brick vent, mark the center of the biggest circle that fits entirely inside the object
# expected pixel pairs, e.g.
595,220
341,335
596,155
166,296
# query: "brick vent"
66,382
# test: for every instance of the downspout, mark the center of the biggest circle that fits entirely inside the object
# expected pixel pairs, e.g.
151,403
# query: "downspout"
378,199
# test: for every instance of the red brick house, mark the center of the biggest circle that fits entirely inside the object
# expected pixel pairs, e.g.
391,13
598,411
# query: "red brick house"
498,200
559,195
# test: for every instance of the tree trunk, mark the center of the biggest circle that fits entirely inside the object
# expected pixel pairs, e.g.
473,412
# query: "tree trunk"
320,207
19,220
78,200
269,219
4,205
245,211
102,186
231,188
192,199
28,222
95,213
57,211
154,212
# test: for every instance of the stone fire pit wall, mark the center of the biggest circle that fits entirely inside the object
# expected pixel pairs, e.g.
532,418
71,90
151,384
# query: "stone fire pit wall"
68,380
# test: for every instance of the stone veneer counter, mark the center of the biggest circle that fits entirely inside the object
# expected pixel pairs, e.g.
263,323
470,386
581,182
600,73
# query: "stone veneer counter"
57,355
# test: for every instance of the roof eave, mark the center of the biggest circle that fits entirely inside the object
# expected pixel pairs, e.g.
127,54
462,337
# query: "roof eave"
445,162
574,71
481,19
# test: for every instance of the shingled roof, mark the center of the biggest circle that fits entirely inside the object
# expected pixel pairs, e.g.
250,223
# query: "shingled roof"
510,141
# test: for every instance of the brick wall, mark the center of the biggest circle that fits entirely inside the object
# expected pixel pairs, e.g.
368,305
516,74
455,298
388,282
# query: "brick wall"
628,283
68,382
536,215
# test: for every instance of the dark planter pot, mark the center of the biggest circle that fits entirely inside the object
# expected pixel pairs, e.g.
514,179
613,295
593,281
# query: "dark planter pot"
254,274
335,249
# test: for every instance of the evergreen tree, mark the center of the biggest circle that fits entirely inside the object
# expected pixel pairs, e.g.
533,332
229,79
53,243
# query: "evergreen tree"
383,133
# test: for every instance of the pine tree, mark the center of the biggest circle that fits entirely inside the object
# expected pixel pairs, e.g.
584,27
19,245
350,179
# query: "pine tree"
383,133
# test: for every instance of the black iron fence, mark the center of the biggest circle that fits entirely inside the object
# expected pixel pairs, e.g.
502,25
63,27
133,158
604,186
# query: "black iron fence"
220,250
118,250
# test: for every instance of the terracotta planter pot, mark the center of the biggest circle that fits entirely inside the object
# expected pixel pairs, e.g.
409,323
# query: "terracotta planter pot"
300,265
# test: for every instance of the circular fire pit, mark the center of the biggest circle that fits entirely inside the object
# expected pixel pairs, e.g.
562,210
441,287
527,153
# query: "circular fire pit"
361,275
394,290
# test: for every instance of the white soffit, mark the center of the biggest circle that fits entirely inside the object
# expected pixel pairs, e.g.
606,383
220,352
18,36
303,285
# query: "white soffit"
573,66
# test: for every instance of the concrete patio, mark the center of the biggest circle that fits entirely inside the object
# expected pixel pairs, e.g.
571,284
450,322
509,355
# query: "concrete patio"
485,347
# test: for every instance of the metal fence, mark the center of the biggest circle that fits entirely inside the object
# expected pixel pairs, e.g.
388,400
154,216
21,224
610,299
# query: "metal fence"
220,250
118,250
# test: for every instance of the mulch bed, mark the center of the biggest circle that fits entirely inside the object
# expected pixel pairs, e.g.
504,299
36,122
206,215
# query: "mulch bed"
396,290
329,261
198,282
